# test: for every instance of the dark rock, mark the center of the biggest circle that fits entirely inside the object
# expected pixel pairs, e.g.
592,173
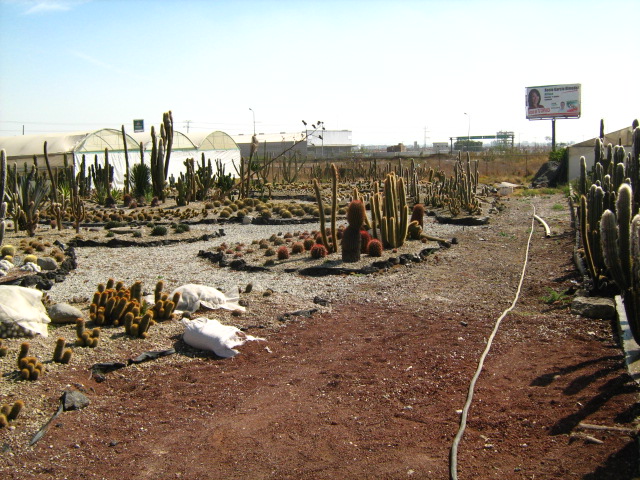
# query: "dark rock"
74,400
594,307
550,174
47,263
320,301
300,313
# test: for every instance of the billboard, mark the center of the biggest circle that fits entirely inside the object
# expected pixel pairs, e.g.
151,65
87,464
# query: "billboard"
553,101
138,125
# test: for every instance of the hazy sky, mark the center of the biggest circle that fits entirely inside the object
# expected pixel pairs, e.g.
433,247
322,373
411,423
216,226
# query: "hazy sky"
386,70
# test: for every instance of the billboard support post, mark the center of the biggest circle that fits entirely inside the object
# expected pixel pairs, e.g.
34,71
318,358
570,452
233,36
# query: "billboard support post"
553,134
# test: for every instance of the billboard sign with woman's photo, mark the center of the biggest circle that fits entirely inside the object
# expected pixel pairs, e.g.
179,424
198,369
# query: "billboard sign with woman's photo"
553,101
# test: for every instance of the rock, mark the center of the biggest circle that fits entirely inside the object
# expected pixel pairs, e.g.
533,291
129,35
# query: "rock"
550,174
47,263
74,400
247,219
64,313
320,301
594,307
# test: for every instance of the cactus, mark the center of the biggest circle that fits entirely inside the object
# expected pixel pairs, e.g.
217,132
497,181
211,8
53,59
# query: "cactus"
66,356
417,214
138,326
3,184
318,251
621,249
375,248
325,240
24,351
283,252
391,212
84,337
15,410
160,155
351,239
30,368
59,350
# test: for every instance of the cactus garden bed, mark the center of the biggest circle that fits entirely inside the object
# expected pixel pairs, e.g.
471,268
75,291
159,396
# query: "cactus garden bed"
365,381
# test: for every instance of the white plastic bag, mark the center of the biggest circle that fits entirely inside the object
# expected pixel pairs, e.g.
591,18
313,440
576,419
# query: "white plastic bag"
209,334
193,296
22,312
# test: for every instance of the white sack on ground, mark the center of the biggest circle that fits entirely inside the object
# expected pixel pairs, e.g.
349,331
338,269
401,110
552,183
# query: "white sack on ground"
209,334
193,296
22,312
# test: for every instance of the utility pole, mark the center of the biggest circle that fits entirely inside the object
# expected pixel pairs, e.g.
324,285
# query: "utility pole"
187,122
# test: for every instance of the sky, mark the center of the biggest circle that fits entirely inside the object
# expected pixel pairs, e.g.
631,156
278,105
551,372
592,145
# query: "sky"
390,71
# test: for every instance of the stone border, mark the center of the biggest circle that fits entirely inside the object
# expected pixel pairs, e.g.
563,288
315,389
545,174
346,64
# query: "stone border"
629,346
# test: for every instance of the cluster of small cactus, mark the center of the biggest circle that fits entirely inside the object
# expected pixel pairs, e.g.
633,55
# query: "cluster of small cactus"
86,338
111,302
30,368
9,413
61,354
163,307
138,325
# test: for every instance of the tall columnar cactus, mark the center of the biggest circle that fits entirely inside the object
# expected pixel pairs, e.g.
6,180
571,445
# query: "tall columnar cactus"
334,206
323,229
351,240
127,181
160,154
54,186
621,250
392,211
3,184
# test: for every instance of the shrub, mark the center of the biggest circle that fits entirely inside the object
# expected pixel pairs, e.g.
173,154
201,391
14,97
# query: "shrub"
159,230
113,224
181,227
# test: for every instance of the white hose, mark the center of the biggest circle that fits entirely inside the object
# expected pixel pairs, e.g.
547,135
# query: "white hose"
453,457
547,231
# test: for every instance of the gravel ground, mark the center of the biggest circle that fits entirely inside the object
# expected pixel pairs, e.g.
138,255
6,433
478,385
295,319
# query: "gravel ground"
179,264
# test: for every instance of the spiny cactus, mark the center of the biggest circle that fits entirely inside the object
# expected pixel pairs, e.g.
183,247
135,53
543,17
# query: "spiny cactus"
30,368
138,326
417,214
621,250
351,239
318,251
86,338
59,350
375,248
3,183
9,413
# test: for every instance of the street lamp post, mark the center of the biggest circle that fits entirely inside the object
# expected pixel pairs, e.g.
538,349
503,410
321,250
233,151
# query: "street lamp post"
468,130
254,120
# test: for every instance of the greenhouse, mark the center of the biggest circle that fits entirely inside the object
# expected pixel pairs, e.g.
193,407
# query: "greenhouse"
22,148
